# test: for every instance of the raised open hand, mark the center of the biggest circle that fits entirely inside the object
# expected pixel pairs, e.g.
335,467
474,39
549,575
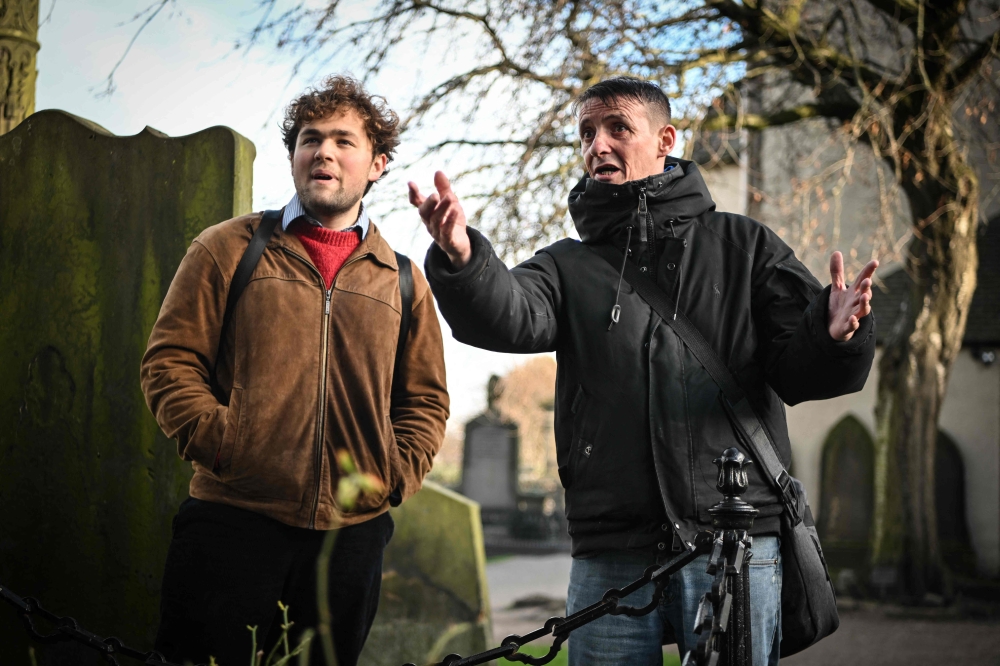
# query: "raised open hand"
444,218
848,304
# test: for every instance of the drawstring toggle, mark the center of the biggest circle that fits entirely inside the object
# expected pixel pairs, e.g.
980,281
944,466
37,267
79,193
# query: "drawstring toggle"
616,311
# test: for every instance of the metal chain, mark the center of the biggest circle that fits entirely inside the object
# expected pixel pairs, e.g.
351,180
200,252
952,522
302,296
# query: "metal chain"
68,629
561,627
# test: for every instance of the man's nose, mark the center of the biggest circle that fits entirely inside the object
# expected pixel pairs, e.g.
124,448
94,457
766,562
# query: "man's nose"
600,144
324,150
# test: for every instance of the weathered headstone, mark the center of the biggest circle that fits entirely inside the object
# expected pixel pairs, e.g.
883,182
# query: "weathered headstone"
949,501
489,462
489,466
435,599
846,498
92,228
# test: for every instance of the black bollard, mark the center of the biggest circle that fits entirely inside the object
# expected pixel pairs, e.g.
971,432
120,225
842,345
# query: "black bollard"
731,518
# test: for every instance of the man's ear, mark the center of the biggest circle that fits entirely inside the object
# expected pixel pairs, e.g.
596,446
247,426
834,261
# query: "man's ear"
378,167
666,140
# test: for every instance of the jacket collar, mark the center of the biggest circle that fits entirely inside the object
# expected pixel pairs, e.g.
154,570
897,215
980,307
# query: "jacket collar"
601,209
373,244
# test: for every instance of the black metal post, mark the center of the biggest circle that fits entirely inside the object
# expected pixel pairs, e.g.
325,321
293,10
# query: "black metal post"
731,518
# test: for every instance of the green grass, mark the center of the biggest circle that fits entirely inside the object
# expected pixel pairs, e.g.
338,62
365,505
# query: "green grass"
561,658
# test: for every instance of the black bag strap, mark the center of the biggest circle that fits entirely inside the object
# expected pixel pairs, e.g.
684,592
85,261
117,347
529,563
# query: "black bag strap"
248,262
405,313
740,411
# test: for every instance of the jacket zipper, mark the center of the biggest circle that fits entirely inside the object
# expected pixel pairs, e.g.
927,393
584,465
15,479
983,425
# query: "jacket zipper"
321,407
324,354
646,228
643,215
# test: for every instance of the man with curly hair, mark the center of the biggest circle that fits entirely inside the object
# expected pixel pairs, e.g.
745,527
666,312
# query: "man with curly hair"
265,401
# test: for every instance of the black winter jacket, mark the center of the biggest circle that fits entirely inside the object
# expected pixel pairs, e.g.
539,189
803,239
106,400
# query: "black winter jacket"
637,420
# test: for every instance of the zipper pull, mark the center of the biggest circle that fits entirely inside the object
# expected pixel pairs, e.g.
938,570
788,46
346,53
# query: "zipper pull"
643,215
329,294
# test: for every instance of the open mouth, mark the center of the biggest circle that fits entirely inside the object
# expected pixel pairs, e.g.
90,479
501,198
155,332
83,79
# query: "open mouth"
322,175
606,170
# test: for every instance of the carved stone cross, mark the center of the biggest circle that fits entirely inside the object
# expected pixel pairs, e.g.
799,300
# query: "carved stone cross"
18,50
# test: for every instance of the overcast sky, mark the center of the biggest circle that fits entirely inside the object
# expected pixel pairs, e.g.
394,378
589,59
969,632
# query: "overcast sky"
182,75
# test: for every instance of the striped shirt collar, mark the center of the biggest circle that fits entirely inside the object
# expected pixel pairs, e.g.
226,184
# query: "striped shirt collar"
294,211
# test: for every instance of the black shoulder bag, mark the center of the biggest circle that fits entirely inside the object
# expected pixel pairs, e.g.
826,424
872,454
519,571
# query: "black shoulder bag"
251,257
808,600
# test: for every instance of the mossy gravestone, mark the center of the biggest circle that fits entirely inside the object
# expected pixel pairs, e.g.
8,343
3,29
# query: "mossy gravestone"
435,599
92,228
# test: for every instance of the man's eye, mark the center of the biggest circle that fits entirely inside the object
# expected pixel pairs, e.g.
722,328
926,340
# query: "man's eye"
620,128
310,139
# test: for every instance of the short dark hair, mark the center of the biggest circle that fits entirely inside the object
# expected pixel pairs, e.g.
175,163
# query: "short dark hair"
336,93
618,88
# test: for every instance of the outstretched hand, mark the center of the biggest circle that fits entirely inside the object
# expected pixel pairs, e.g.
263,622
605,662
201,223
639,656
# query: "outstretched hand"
444,218
848,304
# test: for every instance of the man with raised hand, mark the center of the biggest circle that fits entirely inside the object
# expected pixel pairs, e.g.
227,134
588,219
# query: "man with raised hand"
638,421
263,403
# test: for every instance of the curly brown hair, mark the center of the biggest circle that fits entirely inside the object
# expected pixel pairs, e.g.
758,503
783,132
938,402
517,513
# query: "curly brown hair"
336,93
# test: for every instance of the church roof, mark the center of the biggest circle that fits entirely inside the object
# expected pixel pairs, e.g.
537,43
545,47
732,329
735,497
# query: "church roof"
983,326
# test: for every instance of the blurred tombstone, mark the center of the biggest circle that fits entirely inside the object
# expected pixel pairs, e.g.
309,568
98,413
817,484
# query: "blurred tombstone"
489,466
92,228
846,498
949,500
435,598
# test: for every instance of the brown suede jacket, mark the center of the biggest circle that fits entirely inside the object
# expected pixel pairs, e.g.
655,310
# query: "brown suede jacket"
303,374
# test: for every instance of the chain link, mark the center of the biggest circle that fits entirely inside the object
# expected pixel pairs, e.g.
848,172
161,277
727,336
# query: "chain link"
561,627
68,629
730,553
727,563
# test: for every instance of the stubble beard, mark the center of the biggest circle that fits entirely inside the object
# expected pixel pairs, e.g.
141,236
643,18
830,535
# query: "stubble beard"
328,204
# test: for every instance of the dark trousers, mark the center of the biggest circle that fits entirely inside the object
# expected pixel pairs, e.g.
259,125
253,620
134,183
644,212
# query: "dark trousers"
228,568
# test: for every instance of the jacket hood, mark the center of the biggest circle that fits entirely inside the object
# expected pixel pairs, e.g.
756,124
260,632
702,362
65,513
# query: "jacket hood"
602,209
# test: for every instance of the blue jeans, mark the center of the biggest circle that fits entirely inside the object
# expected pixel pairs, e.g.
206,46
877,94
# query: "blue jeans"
636,641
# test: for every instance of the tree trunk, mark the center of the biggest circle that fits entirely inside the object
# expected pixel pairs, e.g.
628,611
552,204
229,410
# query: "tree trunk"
914,369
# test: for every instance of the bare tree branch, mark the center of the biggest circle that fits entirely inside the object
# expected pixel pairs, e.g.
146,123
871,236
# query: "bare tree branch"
973,63
146,15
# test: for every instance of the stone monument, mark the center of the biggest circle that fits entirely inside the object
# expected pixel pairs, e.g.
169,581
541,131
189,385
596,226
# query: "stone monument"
92,228
18,49
489,464
435,598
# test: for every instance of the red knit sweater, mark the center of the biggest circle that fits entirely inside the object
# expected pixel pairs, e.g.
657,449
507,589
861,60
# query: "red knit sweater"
328,249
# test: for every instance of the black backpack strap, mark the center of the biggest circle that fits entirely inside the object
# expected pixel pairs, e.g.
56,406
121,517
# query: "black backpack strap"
740,411
248,262
405,314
